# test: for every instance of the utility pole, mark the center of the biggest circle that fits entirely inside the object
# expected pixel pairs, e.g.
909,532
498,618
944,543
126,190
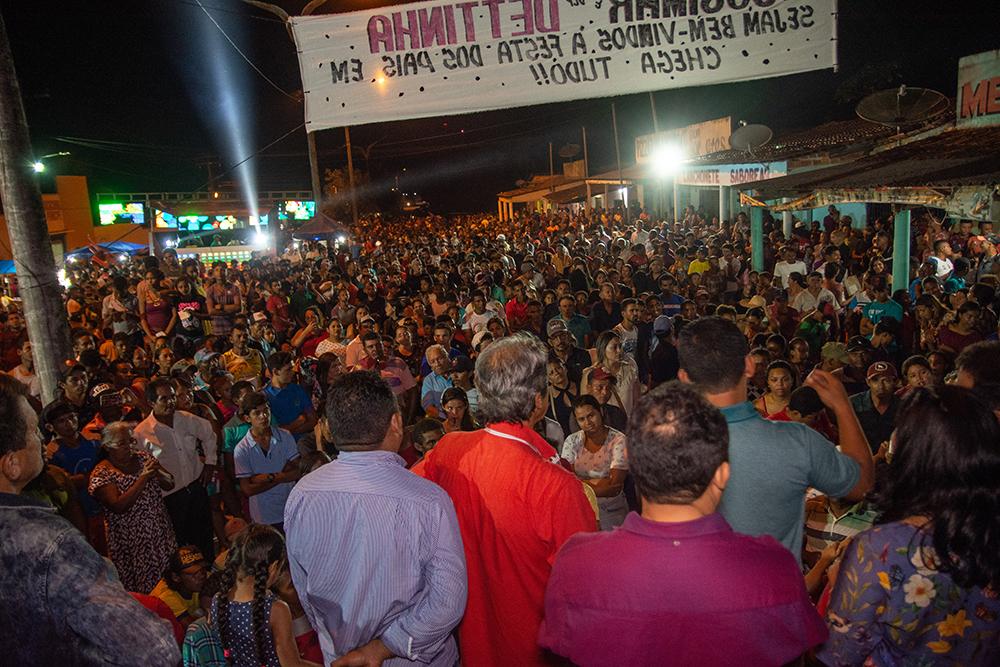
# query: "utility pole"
350,175
29,233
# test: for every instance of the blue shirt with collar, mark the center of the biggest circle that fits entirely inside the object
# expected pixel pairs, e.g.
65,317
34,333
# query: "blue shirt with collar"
771,465
251,459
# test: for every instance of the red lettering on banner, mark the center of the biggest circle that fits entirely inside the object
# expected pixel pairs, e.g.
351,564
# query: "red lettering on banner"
436,26
982,100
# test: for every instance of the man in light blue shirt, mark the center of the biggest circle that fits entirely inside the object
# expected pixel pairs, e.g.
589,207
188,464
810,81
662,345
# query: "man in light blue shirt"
375,551
266,462
772,463
437,380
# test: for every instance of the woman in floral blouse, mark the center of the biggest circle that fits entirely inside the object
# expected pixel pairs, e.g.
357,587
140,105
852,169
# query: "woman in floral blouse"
923,586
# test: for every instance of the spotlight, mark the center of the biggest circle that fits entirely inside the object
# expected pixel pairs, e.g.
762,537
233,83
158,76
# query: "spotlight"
667,160
39,167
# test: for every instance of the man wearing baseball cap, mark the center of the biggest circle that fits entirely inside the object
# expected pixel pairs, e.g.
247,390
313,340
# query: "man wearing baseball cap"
859,357
563,345
876,408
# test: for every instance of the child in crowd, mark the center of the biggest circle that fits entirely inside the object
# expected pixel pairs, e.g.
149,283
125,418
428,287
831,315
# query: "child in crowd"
254,624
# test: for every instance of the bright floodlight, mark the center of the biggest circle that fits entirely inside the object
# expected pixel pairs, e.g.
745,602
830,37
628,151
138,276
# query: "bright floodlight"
260,238
341,239
667,160
39,167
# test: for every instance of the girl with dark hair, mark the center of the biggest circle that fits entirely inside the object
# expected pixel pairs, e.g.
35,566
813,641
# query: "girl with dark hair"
455,406
254,624
597,454
923,585
780,384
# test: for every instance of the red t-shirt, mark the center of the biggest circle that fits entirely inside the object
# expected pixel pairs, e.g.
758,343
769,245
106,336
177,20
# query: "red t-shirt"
160,608
516,507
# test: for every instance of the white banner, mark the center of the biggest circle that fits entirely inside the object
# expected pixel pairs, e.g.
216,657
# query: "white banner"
438,58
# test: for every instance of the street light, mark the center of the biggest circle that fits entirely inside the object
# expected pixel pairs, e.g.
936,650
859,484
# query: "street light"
668,159
38,166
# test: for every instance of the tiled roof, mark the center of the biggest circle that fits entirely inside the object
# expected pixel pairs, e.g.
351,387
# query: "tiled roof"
954,158
833,138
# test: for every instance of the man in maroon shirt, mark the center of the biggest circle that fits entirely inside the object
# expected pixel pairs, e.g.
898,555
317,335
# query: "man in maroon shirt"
717,597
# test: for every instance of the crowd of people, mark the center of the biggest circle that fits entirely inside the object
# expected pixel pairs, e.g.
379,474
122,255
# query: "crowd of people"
586,436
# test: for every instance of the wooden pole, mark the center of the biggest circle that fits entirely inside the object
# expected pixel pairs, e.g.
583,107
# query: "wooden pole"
350,176
317,183
29,234
652,110
618,156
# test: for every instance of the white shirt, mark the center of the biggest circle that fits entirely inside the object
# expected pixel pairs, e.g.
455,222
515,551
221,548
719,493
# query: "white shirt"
785,269
177,448
943,266
29,380
805,301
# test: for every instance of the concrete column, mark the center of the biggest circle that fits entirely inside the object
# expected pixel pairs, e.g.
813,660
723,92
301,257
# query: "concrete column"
723,203
677,203
590,196
640,195
500,209
901,251
786,220
757,237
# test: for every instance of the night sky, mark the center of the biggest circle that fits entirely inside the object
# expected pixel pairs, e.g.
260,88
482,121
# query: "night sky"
128,83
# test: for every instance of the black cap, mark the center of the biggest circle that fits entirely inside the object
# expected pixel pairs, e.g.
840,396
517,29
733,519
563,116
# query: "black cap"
857,343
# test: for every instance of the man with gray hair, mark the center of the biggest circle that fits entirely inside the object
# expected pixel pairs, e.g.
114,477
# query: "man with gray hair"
516,506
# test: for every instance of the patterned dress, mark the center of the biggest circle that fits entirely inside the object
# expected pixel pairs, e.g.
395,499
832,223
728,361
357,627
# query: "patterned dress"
891,606
141,539
242,641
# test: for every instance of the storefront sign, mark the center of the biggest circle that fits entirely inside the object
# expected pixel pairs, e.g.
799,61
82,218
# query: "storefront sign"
979,90
730,174
437,58
691,141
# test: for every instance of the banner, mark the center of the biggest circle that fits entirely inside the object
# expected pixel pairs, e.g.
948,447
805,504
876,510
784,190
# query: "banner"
437,58
692,140
714,175
978,100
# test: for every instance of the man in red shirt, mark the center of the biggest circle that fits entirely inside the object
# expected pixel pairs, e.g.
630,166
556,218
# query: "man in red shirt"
516,506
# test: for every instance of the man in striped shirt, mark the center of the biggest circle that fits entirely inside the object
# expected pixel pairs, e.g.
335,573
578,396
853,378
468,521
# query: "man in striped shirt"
375,551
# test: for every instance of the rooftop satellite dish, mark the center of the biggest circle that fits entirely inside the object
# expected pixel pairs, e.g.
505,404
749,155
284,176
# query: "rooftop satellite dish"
569,151
749,138
521,183
898,107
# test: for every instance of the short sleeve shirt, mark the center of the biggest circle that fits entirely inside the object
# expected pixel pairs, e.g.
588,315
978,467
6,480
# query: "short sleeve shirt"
771,466
250,459
599,464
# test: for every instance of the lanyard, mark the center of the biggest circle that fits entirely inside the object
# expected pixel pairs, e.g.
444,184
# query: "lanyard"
507,436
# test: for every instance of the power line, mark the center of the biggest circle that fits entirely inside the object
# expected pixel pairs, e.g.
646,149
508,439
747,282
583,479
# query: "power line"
269,19
251,156
244,56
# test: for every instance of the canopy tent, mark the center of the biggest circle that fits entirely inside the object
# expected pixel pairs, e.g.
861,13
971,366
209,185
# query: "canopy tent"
319,228
120,247
7,266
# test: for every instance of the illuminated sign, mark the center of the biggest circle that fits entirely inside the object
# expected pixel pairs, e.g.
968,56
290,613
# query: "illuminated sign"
130,213
296,210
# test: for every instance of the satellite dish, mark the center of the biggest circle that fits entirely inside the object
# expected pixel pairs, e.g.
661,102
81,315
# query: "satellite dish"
521,183
898,107
569,151
750,137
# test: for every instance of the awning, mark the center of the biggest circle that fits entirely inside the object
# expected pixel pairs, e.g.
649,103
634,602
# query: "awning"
320,227
942,164
121,247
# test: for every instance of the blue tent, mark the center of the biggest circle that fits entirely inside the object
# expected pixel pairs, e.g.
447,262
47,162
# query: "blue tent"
111,246
7,266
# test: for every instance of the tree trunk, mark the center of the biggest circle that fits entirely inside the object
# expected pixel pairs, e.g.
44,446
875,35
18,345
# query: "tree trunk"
38,286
